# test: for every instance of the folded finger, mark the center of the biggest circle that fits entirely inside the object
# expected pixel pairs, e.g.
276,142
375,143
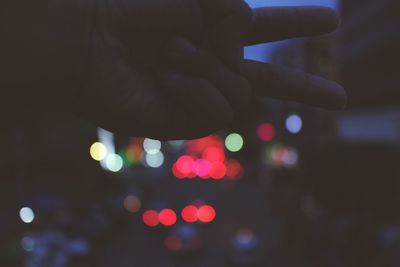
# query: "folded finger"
278,82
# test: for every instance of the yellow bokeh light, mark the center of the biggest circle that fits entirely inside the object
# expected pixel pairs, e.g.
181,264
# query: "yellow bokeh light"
98,151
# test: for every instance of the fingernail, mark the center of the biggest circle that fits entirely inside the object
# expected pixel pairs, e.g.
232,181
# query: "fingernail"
181,45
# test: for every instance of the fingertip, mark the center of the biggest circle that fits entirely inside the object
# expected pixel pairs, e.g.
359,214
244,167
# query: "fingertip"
329,17
327,94
340,98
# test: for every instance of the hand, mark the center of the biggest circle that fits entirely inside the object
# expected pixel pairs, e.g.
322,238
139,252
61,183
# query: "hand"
175,70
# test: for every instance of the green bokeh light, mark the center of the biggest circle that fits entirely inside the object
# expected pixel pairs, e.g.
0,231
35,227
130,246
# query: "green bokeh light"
234,142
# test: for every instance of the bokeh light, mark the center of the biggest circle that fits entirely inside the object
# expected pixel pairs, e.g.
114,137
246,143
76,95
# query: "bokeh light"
294,124
155,160
282,156
202,168
218,170
178,174
27,243
206,214
176,144
189,214
27,215
214,154
185,165
245,240
266,132
150,218
173,243
98,151
132,204
233,169
151,146
291,157
197,146
134,153
234,142
114,162
167,217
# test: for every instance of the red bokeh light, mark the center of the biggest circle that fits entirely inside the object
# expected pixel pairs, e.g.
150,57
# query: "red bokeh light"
185,165
266,132
202,168
206,213
233,169
218,170
214,154
177,173
197,146
173,243
167,217
150,218
189,214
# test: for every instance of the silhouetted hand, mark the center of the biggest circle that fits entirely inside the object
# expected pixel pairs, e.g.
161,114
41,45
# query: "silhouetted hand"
174,69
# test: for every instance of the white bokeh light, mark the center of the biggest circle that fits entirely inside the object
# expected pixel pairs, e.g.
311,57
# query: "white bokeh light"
27,215
155,160
151,146
114,162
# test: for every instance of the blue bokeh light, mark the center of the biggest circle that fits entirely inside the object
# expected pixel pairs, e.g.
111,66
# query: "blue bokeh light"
294,124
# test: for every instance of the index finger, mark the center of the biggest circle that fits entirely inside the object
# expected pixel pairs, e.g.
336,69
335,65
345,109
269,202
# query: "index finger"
278,23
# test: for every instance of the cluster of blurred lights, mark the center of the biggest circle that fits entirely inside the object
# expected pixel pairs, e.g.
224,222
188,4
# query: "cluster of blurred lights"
206,159
166,217
190,214
282,156
203,214
99,152
190,167
147,151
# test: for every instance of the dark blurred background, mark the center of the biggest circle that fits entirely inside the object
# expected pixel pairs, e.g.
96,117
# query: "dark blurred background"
290,186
